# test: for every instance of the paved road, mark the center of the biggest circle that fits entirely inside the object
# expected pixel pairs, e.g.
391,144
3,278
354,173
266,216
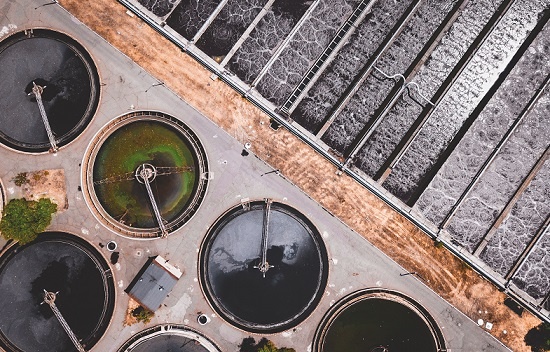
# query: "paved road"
354,262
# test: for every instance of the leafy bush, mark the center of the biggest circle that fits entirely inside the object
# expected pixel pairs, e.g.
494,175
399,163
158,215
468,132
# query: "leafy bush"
23,220
20,179
539,338
264,345
142,315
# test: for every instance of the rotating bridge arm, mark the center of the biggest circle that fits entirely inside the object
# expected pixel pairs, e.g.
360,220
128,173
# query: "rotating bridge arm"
49,298
37,91
264,266
147,172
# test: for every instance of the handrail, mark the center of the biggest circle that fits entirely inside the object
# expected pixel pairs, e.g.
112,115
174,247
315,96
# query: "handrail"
37,91
49,298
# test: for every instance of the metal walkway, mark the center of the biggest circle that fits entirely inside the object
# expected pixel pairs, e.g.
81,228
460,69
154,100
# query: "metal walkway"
146,173
49,298
345,30
129,176
37,91
264,266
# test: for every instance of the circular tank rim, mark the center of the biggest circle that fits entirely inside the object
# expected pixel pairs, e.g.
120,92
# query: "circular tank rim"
86,174
167,328
100,261
91,109
376,293
302,316
2,199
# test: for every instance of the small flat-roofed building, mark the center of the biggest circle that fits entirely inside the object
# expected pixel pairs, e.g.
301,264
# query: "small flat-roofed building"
153,282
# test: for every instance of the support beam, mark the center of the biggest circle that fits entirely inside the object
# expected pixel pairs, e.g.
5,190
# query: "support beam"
438,97
352,89
49,298
145,174
378,119
37,91
264,266
209,21
284,44
246,33
538,236
504,213
174,5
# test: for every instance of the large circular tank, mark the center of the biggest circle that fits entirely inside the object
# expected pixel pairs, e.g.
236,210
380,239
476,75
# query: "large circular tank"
378,320
168,338
71,268
263,266
69,86
145,174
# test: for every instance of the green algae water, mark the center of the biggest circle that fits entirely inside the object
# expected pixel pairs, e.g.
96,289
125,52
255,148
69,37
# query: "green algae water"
128,147
378,325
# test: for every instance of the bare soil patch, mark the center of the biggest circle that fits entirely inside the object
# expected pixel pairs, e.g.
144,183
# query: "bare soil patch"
129,319
341,195
47,184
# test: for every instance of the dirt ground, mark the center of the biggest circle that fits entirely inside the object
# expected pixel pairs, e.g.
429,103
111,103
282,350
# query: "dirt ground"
341,195
47,184
130,319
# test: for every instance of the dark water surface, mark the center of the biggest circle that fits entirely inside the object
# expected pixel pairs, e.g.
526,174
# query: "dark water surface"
373,322
56,264
289,290
70,95
169,343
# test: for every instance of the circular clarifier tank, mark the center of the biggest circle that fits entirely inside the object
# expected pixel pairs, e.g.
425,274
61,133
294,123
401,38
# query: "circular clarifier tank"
169,338
75,272
145,174
263,266
65,76
378,320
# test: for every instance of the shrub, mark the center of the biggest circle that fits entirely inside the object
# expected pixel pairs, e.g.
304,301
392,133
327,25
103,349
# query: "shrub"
539,338
142,315
22,220
264,345
20,179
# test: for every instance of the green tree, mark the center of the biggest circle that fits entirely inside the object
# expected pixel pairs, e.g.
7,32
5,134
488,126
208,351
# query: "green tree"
142,314
264,345
22,220
539,338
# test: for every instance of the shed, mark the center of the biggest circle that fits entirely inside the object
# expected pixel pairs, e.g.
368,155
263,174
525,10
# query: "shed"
153,282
